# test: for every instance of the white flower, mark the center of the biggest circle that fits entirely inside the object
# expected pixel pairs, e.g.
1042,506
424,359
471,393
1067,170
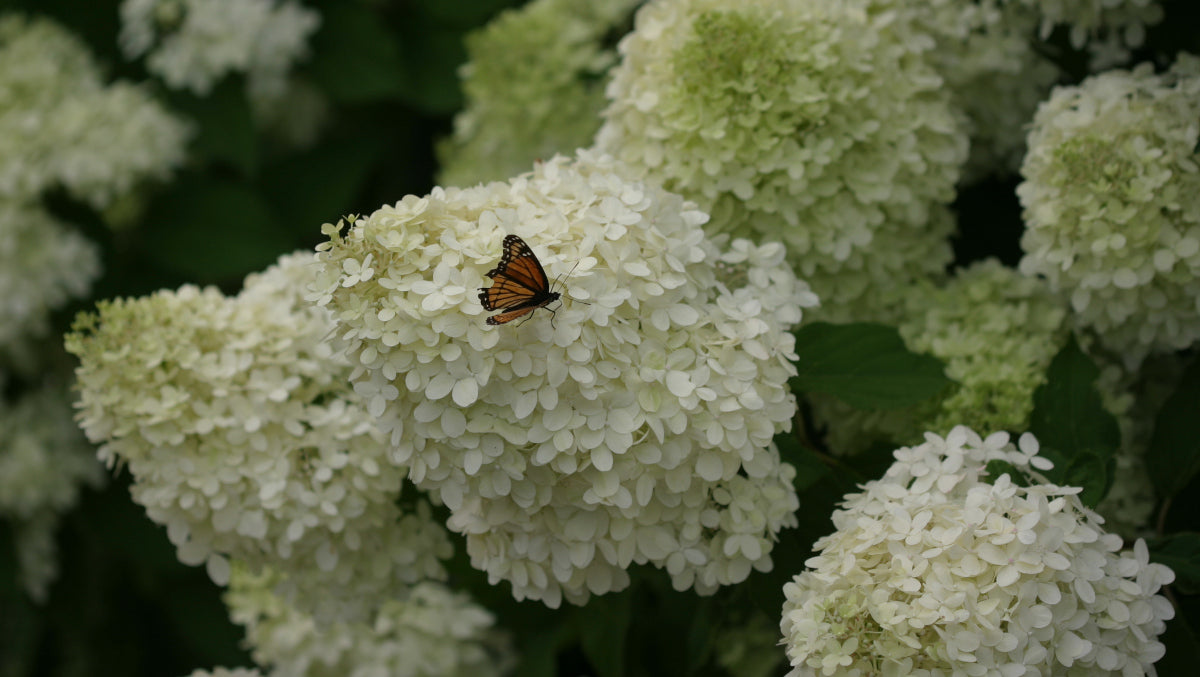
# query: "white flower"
986,52
427,630
191,44
1111,201
940,569
60,125
42,266
244,437
817,124
632,425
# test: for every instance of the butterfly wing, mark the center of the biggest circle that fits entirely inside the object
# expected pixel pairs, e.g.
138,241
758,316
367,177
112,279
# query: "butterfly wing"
519,283
504,318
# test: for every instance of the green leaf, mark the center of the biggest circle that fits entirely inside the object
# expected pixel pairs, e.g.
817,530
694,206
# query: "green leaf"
1089,469
319,185
213,231
1181,552
604,624
809,467
357,57
1072,426
1174,455
434,87
224,126
866,365
1183,648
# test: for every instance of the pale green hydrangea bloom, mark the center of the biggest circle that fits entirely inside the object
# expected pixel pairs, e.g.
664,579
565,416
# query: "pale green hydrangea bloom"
997,332
534,86
44,464
244,437
60,125
192,44
1111,198
633,425
816,123
940,569
43,264
426,630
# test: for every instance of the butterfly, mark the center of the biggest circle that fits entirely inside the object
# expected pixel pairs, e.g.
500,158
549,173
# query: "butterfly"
520,285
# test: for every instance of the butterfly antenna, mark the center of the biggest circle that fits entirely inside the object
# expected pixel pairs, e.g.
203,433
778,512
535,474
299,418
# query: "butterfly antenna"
561,278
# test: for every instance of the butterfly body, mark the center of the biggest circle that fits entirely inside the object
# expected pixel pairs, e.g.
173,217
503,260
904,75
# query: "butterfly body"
519,284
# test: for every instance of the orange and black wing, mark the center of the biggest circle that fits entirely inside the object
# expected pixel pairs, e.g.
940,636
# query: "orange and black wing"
519,283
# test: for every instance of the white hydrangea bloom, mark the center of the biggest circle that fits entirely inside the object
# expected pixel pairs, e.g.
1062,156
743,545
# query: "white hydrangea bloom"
60,125
940,569
244,437
534,87
992,68
42,266
815,123
427,630
1111,198
634,425
192,44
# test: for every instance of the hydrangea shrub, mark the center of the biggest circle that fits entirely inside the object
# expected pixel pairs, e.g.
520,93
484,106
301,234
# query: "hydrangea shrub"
1110,205
995,329
192,44
534,85
426,630
632,425
237,420
941,568
816,124
62,125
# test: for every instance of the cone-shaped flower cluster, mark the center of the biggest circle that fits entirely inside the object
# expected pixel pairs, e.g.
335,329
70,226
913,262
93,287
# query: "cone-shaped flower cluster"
632,425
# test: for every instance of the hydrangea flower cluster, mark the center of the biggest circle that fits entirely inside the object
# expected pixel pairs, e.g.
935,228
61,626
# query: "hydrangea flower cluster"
533,86
995,329
43,264
60,125
236,418
988,58
427,630
818,124
44,464
192,44
940,569
1111,209
633,425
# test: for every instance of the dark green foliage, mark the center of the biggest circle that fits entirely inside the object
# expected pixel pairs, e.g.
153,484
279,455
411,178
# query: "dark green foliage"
1072,426
1174,455
866,365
